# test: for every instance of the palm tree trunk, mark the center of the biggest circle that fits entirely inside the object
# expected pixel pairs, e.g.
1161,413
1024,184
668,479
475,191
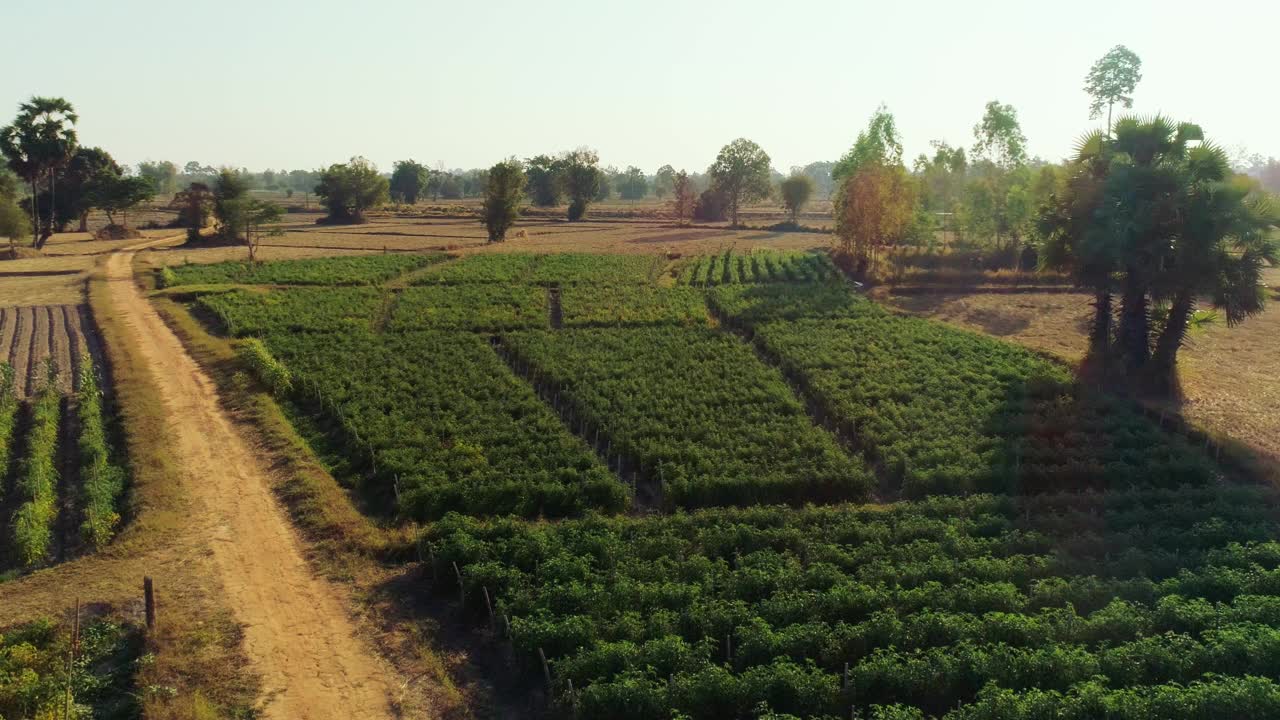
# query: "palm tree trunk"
35,214
84,221
1100,334
1164,360
1135,323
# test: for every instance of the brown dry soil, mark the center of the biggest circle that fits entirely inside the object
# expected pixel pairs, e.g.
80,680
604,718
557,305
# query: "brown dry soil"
298,633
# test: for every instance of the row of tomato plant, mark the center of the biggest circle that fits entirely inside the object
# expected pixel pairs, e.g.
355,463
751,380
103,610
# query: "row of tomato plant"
945,410
696,412
444,425
102,477
357,270
546,270
758,266
586,305
36,482
814,611
8,419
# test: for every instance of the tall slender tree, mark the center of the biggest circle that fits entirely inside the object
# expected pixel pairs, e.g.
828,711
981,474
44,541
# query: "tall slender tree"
41,140
1112,80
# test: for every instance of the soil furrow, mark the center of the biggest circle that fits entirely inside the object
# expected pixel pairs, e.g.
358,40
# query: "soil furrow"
61,347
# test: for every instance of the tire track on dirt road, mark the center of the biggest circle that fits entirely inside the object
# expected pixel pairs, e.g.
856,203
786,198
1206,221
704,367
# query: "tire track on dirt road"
299,635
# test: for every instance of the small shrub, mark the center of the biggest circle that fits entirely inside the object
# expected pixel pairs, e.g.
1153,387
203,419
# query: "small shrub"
265,367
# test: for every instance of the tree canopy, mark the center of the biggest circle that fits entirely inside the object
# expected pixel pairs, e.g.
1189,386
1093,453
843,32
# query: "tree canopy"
741,174
408,180
879,143
579,178
796,191
502,196
349,189
998,136
1112,80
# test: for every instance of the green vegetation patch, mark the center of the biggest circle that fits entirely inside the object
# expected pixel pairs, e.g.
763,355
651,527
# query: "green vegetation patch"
758,266
697,411
486,268
582,268
358,270
588,305
977,607
950,411
34,677
438,422
470,307
243,313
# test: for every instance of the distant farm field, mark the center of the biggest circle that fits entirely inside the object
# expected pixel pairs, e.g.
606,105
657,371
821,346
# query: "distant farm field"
725,482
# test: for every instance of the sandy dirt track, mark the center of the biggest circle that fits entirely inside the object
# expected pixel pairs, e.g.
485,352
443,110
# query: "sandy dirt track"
298,634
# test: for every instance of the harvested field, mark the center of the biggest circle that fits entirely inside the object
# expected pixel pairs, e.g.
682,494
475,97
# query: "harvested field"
32,335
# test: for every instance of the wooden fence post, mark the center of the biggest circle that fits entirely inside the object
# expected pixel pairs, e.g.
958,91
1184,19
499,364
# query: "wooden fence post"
488,603
546,671
149,595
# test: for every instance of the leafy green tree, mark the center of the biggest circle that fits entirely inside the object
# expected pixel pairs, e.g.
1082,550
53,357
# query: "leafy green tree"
1112,80
664,181
874,208
683,197
942,177
632,184
502,196
1224,241
229,186
195,205
36,146
542,173
879,144
349,189
580,179
998,136
796,191
258,218
76,179
13,219
408,180
118,194
820,173
163,175
741,174
1160,220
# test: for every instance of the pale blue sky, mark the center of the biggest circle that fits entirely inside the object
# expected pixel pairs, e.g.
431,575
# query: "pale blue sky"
284,83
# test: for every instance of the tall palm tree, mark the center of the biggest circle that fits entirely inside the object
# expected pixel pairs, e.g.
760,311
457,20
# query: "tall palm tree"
1075,242
1224,241
40,141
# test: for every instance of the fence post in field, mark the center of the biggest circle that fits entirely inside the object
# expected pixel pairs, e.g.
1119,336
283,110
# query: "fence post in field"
546,671
149,595
488,603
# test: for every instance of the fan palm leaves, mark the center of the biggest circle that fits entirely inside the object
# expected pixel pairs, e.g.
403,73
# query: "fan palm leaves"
41,140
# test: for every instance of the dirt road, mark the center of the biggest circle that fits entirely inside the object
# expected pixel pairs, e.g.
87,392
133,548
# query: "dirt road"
298,634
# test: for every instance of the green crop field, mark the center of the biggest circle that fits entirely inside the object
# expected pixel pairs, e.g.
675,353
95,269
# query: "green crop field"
759,492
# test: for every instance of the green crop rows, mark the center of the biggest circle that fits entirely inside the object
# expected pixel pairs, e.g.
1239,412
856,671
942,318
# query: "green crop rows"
586,305
950,411
819,611
361,270
697,411
1056,555
441,416
761,266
